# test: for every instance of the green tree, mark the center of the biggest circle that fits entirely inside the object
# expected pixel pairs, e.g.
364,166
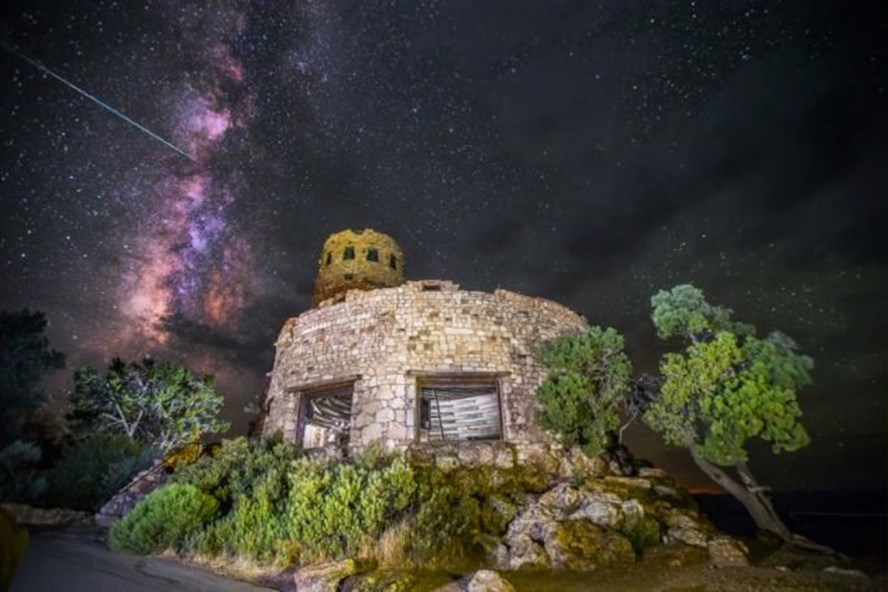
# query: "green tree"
725,388
25,358
588,376
158,404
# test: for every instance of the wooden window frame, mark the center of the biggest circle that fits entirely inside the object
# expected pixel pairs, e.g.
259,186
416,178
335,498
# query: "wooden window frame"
326,389
431,380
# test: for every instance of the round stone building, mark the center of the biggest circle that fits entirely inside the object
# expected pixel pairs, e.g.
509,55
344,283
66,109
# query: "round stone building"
380,361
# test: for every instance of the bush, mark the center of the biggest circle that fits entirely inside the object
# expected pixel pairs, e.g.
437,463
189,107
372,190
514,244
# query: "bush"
163,519
94,470
18,481
643,532
280,507
339,510
277,506
236,468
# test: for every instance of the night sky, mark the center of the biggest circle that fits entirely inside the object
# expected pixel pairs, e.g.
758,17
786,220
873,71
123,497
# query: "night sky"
588,152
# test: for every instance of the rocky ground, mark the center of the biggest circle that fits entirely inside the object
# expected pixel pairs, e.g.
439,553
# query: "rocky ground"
660,571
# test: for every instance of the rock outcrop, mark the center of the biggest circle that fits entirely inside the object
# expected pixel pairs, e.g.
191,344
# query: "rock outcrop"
606,523
124,500
327,577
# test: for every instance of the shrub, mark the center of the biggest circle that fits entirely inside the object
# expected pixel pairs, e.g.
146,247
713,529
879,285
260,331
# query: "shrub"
339,510
277,506
94,470
163,519
18,482
236,468
643,532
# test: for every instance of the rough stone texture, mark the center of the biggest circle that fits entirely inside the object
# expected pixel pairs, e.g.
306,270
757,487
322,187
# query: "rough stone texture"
338,274
566,528
24,514
684,526
124,500
483,580
384,340
326,577
588,526
725,551
381,581
486,580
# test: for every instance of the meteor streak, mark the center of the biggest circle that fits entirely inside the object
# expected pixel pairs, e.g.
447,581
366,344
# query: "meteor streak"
97,101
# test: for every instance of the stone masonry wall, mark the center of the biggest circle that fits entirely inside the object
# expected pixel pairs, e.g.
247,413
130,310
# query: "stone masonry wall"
385,339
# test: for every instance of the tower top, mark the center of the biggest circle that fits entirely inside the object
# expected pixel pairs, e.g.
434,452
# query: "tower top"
357,259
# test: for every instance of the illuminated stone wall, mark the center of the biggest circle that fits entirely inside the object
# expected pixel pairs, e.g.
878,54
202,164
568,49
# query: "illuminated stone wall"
386,339
357,259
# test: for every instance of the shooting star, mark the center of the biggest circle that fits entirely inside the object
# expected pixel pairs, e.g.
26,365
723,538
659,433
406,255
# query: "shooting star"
97,101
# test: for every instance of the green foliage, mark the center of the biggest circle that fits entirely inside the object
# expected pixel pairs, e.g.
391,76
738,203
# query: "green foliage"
684,312
276,506
237,467
338,509
162,520
727,386
643,532
589,375
158,404
281,507
248,480
95,469
25,358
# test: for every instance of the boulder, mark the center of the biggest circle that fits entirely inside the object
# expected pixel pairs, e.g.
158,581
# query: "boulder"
566,528
483,580
687,527
380,581
580,545
725,551
600,511
326,577
523,552
126,499
486,580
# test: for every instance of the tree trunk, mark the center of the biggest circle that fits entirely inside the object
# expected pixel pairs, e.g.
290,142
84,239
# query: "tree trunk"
750,494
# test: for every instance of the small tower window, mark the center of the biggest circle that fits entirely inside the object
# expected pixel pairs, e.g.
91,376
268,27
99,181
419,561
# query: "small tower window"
372,255
393,262
329,257
349,253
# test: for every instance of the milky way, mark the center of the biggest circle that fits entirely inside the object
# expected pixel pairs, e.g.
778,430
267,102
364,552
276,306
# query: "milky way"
591,153
192,261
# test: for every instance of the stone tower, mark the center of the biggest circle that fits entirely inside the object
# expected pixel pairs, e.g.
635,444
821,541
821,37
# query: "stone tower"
412,366
357,259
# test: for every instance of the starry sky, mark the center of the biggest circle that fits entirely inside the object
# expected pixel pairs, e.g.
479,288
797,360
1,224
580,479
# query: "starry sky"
588,152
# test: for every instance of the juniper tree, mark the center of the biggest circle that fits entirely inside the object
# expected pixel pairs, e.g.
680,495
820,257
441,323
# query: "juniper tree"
158,404
588,377
727,386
